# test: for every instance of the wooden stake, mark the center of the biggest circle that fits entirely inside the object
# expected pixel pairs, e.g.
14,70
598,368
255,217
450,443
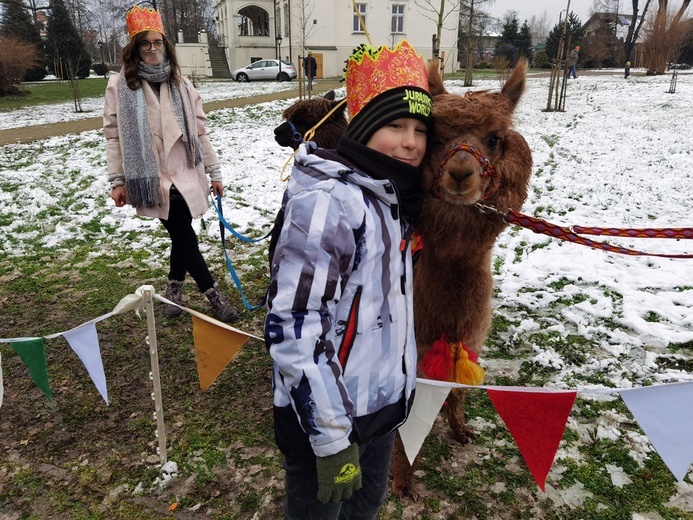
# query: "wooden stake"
154,374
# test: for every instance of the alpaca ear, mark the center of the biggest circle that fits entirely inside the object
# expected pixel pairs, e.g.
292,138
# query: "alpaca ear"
435,82
329,96
515,85
342,106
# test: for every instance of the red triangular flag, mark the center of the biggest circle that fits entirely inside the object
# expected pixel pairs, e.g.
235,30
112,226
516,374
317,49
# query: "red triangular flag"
536,420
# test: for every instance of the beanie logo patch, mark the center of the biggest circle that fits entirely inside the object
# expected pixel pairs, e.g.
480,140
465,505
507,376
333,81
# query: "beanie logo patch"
419,103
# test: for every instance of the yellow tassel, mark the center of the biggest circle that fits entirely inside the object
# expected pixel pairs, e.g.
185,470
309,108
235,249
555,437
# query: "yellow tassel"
466,371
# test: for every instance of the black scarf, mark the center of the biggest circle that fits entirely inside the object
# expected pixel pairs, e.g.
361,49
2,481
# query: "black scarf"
406,179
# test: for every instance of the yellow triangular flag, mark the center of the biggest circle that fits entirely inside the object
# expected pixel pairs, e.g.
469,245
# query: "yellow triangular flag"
216,344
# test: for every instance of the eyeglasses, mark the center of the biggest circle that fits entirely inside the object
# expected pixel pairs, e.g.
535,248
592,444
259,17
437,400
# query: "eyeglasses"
146,45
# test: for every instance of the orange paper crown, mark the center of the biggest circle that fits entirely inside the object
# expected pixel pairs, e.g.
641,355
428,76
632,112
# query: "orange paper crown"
371,72
142,19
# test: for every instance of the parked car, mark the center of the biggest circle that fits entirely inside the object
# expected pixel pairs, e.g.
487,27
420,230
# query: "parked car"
265,69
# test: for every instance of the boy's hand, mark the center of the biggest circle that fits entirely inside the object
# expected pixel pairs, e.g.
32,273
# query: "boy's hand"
339,475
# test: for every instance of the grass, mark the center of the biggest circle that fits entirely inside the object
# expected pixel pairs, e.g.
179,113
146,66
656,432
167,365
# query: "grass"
47,92
83,459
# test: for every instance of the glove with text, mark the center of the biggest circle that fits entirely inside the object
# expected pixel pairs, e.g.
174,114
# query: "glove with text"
339,475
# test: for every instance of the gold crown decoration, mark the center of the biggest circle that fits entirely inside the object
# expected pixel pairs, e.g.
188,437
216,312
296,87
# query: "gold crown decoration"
143,19
371,71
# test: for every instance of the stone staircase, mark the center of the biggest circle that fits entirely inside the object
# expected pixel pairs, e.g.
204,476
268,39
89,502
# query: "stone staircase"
217,59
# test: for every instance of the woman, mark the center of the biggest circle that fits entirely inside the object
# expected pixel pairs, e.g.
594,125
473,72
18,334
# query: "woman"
158,151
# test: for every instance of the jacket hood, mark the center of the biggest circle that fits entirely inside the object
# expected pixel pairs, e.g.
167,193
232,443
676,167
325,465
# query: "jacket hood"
311,169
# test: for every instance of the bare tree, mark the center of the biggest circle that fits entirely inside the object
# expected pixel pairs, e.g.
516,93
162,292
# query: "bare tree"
304,15
540,26
470,10
665,36
438,11
16,58
634,28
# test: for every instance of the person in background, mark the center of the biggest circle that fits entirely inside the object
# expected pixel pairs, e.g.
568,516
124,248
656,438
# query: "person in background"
572,62
158,153
310,66
340,325
627,69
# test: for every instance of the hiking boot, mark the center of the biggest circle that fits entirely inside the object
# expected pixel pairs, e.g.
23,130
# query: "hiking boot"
221,306
174,292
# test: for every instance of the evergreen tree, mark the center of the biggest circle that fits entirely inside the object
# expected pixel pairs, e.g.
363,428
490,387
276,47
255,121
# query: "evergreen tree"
67,55
574,32
506,45
16,23
524,42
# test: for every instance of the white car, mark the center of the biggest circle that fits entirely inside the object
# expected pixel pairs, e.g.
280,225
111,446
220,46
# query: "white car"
265,69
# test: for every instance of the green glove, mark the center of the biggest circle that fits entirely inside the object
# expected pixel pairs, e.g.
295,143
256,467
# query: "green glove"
339,475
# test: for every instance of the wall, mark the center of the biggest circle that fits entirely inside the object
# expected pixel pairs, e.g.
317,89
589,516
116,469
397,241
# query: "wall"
193,58
329,31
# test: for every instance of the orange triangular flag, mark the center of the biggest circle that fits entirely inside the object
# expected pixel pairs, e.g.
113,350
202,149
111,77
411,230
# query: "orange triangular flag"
536,420
216,344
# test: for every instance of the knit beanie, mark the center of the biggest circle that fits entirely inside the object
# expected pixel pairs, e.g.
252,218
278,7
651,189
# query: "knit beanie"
383,85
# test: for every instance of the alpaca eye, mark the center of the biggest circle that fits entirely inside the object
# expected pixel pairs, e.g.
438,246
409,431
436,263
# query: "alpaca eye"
493,142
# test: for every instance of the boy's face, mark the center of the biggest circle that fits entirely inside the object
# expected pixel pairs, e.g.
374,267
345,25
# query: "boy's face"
403,139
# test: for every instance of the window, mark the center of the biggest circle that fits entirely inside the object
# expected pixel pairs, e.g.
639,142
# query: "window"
287,12
397,18
357,26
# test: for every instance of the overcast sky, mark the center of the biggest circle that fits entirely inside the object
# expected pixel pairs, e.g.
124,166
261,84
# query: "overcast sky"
528,8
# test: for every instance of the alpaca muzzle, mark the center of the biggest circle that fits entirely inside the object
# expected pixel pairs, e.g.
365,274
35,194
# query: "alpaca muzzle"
464,175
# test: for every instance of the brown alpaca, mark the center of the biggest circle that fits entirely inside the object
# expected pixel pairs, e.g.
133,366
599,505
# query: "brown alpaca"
305,114
453,284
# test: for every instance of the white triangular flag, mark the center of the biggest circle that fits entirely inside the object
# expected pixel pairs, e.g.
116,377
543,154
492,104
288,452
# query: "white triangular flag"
665,413
428,400
85,343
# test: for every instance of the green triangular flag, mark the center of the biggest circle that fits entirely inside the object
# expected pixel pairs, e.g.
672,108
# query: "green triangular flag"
33,353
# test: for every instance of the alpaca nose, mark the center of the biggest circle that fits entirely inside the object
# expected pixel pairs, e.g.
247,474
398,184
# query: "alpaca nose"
462,166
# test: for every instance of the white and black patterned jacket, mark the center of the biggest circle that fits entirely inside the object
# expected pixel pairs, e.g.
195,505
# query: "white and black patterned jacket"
340,325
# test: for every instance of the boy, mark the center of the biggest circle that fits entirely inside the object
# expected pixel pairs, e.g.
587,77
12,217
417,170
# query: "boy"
340,323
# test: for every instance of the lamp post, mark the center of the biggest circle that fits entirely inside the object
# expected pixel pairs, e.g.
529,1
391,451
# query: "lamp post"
279,55
103,65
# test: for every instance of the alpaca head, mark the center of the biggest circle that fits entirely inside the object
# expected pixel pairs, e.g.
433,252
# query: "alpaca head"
475,154
304,115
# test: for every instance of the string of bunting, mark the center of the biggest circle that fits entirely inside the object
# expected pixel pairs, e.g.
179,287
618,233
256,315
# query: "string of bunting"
664,412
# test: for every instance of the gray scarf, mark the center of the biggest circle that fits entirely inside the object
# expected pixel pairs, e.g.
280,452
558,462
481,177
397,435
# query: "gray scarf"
139,162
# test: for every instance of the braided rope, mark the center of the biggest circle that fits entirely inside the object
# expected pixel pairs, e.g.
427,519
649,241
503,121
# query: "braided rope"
635,232
570,234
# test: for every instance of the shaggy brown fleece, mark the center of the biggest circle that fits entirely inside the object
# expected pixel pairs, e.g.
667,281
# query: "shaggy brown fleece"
305,115
453,284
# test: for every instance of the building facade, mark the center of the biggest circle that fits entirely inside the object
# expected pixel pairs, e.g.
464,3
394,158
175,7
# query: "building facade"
250,30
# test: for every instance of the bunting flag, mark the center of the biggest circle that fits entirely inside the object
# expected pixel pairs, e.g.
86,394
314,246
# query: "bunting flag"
536,419
665,413
85,342
216,344
428,400
32,352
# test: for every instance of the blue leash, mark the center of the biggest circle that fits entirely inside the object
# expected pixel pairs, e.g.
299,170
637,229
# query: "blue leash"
223,225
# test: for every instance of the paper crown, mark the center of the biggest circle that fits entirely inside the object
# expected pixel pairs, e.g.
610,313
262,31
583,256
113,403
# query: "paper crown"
142,19
371,72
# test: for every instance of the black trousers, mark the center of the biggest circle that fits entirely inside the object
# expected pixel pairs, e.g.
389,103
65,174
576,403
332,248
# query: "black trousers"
185,252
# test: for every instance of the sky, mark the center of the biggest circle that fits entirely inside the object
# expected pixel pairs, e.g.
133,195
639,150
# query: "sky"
530,8
619,156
